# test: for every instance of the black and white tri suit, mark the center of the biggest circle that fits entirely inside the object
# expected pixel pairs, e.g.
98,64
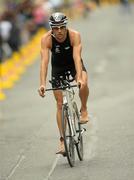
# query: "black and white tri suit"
62,58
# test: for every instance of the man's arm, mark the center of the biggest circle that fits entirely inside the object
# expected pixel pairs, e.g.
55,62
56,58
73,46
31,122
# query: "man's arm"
77,48
44,62
45,48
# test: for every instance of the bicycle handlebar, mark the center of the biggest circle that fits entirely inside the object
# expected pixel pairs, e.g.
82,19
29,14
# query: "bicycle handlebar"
63,82
61,88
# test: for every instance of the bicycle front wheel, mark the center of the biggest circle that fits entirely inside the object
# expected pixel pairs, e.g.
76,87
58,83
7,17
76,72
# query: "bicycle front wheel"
79,144
68,139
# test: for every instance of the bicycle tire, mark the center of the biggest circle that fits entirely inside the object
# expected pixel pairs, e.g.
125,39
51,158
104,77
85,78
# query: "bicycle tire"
68,139
79,145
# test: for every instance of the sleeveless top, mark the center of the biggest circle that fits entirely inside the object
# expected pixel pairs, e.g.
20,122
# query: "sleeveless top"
62,54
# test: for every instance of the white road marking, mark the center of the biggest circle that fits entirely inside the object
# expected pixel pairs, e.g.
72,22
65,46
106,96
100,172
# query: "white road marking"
53,167
21,158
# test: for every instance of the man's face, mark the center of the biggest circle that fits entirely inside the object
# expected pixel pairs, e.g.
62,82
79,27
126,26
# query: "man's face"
59,32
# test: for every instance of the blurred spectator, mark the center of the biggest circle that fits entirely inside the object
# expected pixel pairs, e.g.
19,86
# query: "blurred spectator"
124,2
25,20
25,9
10,4
5,28
48,9
57,4
1,52
39,16
41,13
14,40
97,2
10,33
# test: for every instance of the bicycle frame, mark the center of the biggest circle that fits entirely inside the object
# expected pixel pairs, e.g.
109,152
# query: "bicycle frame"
67,100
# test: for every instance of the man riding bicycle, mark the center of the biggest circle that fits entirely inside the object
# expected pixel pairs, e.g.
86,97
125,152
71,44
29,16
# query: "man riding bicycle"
65,46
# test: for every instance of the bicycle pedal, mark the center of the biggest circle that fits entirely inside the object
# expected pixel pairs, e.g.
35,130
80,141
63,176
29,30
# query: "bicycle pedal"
78,131
64,154
84,129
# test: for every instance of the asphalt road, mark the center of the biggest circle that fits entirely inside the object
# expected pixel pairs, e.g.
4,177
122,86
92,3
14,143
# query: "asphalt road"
28,131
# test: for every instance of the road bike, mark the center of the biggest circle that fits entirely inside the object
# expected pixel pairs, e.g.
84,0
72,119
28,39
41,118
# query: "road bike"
71,127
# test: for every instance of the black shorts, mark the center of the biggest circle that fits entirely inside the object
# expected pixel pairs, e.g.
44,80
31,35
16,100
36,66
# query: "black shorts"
58,72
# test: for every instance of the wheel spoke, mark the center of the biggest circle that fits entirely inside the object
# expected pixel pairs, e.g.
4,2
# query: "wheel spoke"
68,140
79,145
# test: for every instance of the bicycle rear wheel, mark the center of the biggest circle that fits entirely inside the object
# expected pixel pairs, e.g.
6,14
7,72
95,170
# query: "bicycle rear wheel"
68,139
79,144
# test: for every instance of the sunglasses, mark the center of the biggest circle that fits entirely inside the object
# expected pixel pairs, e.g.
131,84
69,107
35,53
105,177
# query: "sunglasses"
58,27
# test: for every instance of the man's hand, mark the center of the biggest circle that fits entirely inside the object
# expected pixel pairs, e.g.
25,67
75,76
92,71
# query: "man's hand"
80,83
41,91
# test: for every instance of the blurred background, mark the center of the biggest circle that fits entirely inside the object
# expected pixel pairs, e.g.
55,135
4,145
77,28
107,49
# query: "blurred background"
25,17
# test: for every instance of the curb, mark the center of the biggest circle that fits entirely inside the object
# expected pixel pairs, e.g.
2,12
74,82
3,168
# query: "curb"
13,68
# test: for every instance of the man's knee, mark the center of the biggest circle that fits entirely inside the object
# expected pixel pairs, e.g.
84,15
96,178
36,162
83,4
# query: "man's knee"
59,99
59,105
85,85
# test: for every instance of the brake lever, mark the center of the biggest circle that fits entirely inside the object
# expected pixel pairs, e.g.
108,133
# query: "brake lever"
79,85
66,83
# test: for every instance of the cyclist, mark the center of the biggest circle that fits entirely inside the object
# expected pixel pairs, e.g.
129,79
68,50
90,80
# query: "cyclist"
65,47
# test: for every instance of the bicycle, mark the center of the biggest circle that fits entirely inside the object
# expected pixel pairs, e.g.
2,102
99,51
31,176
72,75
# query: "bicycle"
71,126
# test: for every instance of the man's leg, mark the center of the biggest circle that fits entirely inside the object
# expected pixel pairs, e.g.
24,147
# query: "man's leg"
59,99
83,94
